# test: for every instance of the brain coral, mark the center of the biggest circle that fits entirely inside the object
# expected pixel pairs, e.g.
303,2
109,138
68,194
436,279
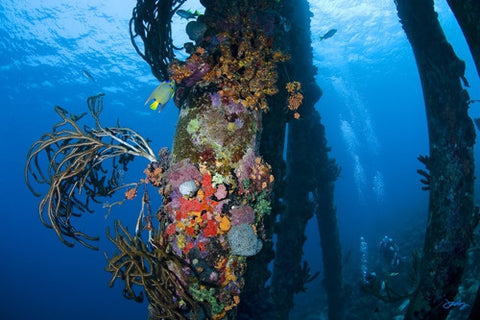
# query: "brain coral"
243,241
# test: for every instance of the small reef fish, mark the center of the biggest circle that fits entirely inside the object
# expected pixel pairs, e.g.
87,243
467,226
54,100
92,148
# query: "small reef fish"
329,34
161,95
188,14
87,75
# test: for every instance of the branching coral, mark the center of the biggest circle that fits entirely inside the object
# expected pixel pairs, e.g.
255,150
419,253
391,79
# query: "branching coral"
159,273
75,159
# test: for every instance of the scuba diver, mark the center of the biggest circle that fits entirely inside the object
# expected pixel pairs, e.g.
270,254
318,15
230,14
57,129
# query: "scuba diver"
387,281
390,251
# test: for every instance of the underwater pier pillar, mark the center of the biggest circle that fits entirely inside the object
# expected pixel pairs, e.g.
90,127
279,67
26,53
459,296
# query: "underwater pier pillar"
216,213
475,310
326,213
216,191
256,297
452,215
309,190
467,13
309,182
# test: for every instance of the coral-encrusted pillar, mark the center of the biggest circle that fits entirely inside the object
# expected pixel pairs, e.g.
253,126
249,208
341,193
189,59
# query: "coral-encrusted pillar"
216,190
452,216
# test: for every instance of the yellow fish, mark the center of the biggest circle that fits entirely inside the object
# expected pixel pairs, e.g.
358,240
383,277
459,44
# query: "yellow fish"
161,95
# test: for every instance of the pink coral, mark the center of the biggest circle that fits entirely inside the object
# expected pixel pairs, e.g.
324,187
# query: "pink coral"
181,172
198,71
242,214
221,192
253,169
245,165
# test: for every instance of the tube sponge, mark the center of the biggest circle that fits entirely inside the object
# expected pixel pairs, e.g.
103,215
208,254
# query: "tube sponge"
243,240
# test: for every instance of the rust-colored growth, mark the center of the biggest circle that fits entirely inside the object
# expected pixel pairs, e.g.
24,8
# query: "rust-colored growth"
153,175
179,71
293,87
245,72
131,193
295,98
261,177
207,156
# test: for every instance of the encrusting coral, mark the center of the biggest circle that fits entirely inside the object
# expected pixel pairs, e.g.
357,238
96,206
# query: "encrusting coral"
295,98
222,90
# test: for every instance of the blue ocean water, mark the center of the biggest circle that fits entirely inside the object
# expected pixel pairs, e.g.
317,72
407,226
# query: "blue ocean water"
372,109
